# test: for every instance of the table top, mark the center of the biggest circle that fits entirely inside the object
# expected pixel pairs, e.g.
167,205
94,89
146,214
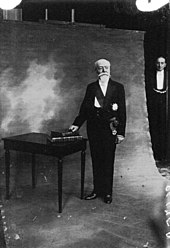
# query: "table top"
39,143
33,137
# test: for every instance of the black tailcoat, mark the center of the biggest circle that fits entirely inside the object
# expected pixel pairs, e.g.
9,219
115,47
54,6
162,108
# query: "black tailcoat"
102,141
156,102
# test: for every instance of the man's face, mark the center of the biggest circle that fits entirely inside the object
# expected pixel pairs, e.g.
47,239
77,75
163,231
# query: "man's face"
103,70
160,64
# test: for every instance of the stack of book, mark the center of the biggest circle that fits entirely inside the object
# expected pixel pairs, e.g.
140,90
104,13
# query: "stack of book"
67,136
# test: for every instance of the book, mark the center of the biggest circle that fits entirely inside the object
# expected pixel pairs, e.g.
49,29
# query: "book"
55,134
67,136
66,139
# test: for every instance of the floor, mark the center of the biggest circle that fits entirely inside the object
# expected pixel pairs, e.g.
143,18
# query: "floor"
30,218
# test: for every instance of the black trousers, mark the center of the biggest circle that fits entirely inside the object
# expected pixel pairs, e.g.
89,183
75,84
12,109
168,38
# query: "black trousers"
102,147
157,123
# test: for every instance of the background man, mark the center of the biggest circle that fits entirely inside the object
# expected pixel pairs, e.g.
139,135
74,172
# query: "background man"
104,110
157,109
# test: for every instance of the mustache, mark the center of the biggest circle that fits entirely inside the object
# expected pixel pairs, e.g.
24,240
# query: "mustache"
104,73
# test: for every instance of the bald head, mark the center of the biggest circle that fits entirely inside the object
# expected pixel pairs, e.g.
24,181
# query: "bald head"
102,62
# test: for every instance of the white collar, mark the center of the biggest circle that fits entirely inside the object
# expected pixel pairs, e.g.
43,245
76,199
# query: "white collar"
160,72
103,82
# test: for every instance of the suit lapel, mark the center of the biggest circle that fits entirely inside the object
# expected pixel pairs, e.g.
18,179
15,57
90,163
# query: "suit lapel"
165,79
109,93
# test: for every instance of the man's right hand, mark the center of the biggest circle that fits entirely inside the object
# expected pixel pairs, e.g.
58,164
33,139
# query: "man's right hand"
73,128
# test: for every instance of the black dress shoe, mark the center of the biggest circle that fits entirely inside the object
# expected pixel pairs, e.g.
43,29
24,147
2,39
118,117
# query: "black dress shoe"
91,196
108,199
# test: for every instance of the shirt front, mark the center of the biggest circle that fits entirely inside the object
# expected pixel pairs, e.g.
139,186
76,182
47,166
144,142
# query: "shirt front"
103,86
160,80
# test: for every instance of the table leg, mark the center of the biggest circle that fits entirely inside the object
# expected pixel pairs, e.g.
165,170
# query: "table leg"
60,174
33,171
83,155
7,168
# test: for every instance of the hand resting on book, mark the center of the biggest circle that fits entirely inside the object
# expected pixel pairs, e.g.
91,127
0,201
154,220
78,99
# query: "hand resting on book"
73,128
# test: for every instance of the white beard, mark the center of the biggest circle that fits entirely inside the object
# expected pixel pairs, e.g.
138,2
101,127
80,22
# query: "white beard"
104,77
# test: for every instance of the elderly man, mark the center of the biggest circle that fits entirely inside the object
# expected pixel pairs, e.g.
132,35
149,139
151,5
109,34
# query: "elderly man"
104,110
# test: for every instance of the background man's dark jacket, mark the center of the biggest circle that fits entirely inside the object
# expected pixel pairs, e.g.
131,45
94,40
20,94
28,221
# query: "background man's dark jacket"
156,103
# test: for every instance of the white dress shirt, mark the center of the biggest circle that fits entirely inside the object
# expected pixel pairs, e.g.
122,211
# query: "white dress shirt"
103,86
160,80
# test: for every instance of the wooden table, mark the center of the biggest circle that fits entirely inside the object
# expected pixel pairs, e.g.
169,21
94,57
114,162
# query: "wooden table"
37,143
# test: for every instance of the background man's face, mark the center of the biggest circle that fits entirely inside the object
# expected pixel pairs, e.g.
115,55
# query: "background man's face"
160,64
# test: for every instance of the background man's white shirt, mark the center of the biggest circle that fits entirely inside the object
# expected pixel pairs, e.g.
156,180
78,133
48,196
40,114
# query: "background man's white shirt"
160,80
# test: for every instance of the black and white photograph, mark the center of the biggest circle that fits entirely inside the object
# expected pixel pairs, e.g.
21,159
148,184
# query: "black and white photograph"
84,124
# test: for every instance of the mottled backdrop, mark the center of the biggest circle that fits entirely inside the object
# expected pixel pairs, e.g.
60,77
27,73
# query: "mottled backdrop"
44,71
